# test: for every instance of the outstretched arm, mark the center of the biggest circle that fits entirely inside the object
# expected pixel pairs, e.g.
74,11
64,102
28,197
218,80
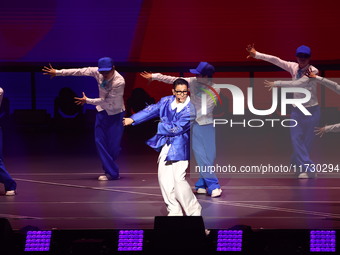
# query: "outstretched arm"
150,112
329,84
161,77
333,128
326,82
85,71
320,131
285,65
302,82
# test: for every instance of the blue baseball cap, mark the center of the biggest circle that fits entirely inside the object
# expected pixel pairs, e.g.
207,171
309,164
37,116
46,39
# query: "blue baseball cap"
203,68
303,49
105,64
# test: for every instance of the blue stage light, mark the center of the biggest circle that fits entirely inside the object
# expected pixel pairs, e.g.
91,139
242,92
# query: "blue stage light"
323,241
130,240
38,240
229,240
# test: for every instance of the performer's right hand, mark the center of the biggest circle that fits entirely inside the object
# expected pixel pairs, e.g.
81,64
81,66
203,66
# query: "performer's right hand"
146,75
127,121
269,84
49,71
309,73
252,52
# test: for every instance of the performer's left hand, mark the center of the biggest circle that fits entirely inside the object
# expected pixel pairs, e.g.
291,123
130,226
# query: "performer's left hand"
269,84
320,131
82,100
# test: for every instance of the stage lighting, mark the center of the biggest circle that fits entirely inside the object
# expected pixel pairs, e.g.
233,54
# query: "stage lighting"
38,240
130,240
229,240
323,241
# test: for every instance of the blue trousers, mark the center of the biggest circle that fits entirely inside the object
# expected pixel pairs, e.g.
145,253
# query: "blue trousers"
302,136
5,178
108,135
204,148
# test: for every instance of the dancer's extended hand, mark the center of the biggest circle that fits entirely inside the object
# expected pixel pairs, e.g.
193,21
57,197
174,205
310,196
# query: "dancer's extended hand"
146,75
127,121
49,71
251,50
81,100
269,84
320,131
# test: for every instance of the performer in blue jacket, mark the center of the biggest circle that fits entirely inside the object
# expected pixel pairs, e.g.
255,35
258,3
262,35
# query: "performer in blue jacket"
203,131
173,142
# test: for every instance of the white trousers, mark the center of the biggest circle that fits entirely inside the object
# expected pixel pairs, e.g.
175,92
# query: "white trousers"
176,191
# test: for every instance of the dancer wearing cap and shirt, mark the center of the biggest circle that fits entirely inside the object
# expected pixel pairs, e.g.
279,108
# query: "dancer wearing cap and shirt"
173,142
203,131
302,135
110,106
5,178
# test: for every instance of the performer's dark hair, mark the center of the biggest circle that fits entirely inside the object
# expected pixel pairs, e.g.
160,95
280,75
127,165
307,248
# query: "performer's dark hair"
180,81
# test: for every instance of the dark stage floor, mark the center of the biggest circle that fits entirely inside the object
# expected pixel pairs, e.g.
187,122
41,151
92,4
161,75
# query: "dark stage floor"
57,175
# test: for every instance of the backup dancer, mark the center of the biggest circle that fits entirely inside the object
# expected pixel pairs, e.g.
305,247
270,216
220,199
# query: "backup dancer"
111,110
302,135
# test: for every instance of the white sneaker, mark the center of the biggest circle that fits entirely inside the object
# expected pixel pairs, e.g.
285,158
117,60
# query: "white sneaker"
10,193
103,178
216,193
303,176
201,191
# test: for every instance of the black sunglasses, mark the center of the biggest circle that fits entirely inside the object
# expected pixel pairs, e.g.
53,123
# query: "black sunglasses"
184,92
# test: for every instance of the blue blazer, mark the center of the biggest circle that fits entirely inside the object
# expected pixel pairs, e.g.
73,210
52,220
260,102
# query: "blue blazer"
173,128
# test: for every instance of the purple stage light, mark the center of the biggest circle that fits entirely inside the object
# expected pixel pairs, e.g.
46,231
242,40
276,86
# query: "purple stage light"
323,241
38,240
229,240
130,240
